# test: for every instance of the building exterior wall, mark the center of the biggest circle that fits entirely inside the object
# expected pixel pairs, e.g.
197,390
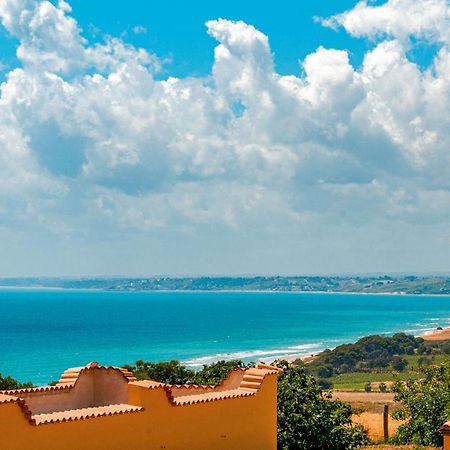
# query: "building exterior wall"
446,441
240,423
94,388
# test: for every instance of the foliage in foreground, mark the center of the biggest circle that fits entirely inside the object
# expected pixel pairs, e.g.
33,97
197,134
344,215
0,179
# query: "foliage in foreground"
308,419
425,406
8,383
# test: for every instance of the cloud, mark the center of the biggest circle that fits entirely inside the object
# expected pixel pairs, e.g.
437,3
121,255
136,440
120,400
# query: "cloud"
90,138
139,29
401,19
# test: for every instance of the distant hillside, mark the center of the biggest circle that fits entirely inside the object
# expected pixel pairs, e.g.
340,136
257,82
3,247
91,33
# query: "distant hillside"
358,284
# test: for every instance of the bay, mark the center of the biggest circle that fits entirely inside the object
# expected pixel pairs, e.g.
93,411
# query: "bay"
43,331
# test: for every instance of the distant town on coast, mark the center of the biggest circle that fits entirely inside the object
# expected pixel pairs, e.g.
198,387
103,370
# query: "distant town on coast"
380,284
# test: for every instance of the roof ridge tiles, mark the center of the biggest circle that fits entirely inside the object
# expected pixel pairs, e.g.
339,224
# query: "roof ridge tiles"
71,375
56,387
5,398
212,396
85,413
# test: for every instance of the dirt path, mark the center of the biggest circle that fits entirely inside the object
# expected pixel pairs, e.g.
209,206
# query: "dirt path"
369,407
365,397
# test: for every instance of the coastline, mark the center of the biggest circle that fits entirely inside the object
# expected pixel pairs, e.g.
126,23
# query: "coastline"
431,335
241,291
282,326
437,335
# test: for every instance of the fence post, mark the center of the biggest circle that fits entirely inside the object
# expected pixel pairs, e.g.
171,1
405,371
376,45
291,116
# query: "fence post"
386,422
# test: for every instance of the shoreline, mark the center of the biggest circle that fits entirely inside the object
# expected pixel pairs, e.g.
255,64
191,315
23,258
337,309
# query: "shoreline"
442,334
304,345
252,291
431,335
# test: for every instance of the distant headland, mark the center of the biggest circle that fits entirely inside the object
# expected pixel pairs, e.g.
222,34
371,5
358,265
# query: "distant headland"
380,284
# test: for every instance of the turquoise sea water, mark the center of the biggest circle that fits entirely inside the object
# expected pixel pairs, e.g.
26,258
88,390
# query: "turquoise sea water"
43,332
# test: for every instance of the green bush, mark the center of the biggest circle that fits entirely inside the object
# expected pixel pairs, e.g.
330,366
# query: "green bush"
9,383
309,420
370,352
425,406
399,364
170,372
173,372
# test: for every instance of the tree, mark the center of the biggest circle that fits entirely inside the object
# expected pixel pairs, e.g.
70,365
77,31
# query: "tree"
9,383
309,420
382,387
171,372
370,352
216,372
325,371
399,364
368,387
425,406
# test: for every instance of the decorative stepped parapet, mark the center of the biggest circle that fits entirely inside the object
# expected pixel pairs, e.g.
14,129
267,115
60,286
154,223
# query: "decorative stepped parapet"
70,376
96,407
239,383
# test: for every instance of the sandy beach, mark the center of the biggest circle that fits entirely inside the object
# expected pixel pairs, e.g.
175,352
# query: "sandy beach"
437,335
292,358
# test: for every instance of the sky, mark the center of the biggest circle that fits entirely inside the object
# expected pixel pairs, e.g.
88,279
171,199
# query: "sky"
224,138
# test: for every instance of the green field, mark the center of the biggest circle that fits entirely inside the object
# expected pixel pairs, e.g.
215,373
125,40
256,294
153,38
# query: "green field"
355,381
413,360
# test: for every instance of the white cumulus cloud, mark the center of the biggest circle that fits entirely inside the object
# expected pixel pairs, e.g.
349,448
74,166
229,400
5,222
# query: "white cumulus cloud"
402,19
90,138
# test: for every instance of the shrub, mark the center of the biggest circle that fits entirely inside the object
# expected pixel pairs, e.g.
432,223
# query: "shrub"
309,420
9,383
425,406
399,364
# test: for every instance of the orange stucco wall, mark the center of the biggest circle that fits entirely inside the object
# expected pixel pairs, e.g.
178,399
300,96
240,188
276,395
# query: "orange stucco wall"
93,388
243,423
446,441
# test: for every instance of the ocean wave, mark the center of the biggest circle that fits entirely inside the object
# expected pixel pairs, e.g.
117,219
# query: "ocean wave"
261,355
301,350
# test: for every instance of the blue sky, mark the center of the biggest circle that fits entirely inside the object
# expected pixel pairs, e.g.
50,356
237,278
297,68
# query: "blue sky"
287,137
177,30
176,33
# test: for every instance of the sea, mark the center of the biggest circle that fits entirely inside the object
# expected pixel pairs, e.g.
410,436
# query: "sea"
45,331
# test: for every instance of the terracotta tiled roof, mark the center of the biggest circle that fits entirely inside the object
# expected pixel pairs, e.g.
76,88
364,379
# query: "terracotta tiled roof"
446,427
73,414
22,404
84,413
70,376
150,384
7,399
210,396
36,389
